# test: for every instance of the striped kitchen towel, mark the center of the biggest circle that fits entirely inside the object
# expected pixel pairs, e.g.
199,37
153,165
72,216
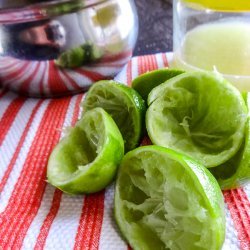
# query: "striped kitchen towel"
35,215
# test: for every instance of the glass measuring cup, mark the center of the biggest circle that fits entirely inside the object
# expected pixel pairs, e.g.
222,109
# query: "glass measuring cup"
214,36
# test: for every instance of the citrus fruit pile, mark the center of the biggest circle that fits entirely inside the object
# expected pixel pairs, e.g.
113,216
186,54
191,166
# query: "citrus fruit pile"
166,195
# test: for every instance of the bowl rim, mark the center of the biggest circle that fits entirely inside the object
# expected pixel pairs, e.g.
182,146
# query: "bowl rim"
44,10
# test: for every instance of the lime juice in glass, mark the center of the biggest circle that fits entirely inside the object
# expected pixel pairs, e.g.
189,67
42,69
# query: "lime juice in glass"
214,36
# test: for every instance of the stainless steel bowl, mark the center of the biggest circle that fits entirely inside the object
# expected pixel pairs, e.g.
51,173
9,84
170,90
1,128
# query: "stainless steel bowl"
54,48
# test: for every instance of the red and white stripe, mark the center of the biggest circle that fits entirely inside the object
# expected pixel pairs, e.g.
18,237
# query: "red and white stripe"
147,63
46,78
57,212
16,129
30,186
30,79
44,86
231,241
239,207
109,238
89,229
64,219
140,65
6,63
17,164
24,73
36,81
246,188
6,99
35,215
41,226
77,78
162,61
7,71
13,78
71,84
9,117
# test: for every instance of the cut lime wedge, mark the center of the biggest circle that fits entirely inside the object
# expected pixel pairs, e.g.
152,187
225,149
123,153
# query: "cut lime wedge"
124,104
198,114
86,160
164,200
236,172
144,83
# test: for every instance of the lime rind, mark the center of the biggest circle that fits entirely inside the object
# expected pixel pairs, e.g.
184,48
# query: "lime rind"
144,83
170,202
198,114
86,160
157,91
124,104
236,172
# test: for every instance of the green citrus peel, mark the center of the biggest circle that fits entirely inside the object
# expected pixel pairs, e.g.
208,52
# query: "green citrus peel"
86,159
144,83
236,171
124,104
198,114
164,200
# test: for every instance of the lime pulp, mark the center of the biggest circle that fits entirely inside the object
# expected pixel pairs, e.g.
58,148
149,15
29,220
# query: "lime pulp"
124,104
86,159
164,200
198,114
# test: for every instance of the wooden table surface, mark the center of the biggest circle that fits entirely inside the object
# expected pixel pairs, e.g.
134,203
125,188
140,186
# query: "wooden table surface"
155,26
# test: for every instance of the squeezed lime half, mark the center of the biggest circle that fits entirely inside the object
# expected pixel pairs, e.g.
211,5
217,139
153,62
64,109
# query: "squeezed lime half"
86,160
144,83
198,114
124,104
164,200
236,172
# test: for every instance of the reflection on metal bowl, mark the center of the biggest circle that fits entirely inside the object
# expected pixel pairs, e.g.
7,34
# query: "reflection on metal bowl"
61,47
